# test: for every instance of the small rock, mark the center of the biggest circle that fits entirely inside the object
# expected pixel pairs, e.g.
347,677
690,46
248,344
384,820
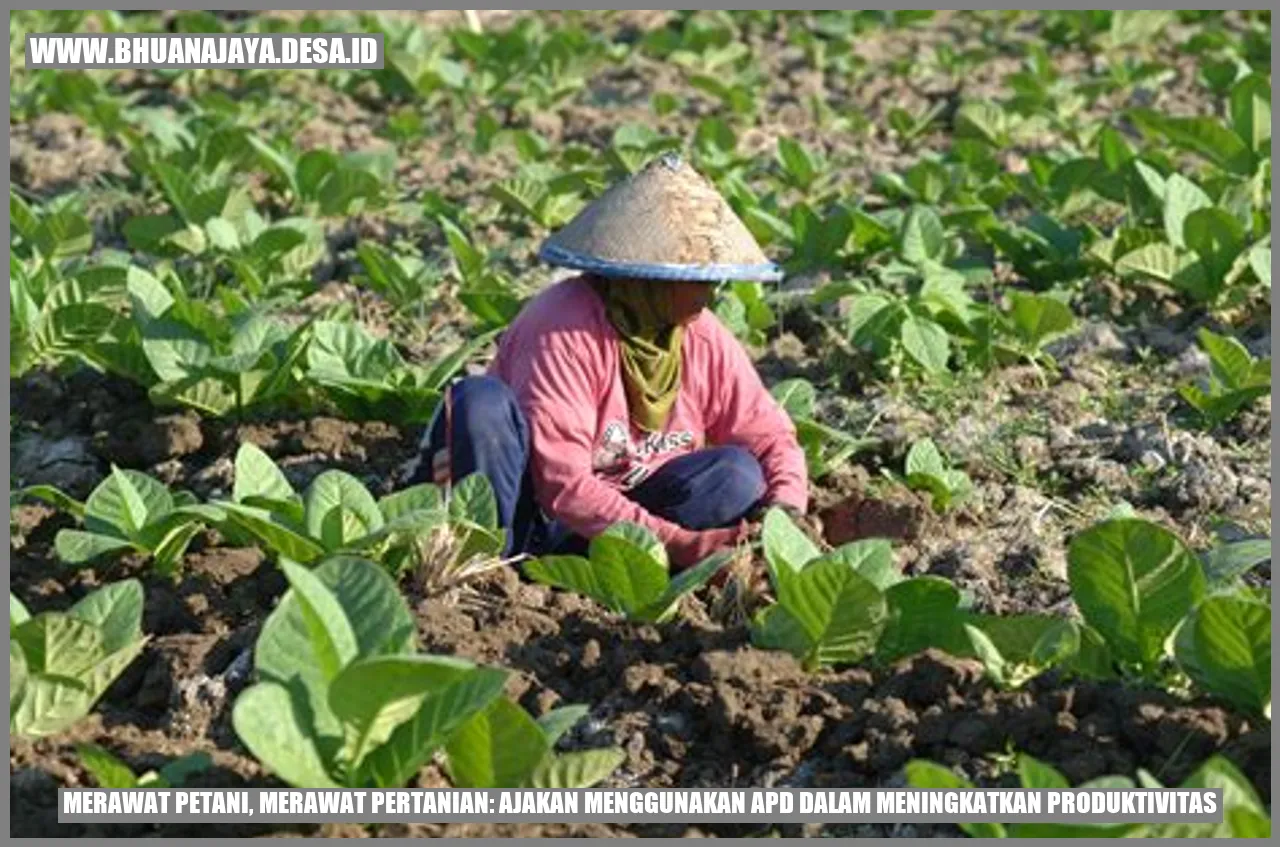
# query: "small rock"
65,463
1152,460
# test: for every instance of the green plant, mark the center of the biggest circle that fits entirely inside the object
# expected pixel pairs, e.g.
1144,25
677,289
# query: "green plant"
61,663
504,747
826,448
401,280
53,319
127,511
109,772
1224,645
627,571
367,377
1236,379
830,607
343,698
328,183
338,514
926,470
1133,582
189,354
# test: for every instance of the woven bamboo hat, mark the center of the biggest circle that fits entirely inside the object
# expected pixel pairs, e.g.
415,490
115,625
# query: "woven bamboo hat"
665,222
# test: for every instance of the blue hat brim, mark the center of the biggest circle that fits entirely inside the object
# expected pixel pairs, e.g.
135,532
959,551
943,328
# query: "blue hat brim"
670,272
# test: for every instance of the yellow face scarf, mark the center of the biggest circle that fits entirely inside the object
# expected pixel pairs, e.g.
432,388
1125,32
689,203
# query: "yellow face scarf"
650,342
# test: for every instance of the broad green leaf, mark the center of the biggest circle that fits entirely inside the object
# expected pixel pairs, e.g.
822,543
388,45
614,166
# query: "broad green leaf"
497,748
924,458
18,673
1227,562
106,769
55,498
57,644
275,729
841,611
579,769
1204,135
116,610
346,190
1036,774
285,540
413,742
333,489
923,612
222,234
795,396
775,628
125,502
178,770
619,576
925,774
557,722
1260,261
76,547
1057,644
926,342
1038,318
1133,582
333,642
872,558
1182,197
1159,260
63,233
1251,112
1225,647
1232,365
104,672
374,609
472,500
374,696
997,667
417,498
786,548
18,613
923,237
49,705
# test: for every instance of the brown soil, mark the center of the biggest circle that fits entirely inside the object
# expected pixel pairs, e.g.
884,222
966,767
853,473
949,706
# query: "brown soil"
690,703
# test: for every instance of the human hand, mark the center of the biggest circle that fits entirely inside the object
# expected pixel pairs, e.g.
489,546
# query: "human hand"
440,467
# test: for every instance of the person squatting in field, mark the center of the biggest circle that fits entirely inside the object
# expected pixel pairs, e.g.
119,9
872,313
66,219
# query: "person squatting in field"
617,395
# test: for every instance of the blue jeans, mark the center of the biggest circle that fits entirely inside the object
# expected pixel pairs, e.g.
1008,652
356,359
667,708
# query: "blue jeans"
710,488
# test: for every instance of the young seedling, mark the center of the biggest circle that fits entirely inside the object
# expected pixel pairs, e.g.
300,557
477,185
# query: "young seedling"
627,571
60,663
504,747
831,607
338,514
109,772
343,698
825,447
926,470
1236,379
127,511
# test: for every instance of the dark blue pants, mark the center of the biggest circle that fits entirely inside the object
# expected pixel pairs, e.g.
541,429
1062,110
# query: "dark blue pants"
710,488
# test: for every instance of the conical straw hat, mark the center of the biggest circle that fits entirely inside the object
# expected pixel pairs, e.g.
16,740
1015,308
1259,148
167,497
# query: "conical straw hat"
664,222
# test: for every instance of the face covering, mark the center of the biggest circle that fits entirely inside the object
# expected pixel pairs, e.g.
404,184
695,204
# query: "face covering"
650,338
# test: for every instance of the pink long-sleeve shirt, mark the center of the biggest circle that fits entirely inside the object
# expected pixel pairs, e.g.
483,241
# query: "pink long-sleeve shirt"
560,357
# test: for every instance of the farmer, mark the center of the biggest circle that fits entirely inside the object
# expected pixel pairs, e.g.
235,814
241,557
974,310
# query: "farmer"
616,395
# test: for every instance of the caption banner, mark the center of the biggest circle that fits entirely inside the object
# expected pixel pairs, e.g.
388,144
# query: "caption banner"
882,805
